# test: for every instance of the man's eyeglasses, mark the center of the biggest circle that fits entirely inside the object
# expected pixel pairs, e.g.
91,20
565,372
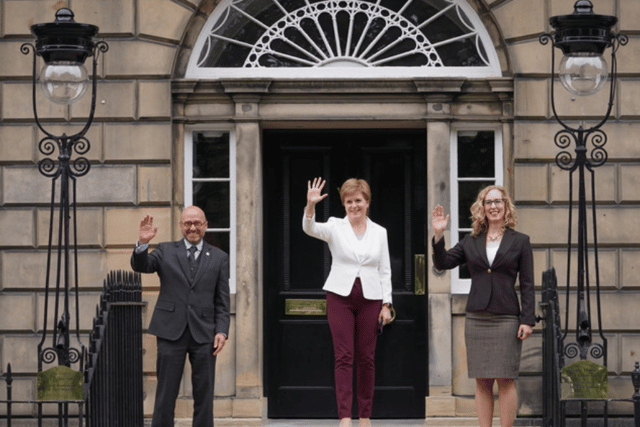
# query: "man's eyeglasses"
188,224
496,202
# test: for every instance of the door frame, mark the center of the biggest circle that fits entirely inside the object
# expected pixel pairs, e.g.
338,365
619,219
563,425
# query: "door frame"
330,126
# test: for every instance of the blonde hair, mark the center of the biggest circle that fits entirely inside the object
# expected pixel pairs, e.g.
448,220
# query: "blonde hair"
353,186
479,222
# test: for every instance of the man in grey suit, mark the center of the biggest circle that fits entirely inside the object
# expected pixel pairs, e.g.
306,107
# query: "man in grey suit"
191,315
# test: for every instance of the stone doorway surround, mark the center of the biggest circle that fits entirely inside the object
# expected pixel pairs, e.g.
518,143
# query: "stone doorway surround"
248,106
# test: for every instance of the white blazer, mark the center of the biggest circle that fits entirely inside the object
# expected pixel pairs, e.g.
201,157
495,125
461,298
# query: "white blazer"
350,258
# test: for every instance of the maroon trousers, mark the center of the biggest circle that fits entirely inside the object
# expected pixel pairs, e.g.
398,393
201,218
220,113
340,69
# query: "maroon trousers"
354,320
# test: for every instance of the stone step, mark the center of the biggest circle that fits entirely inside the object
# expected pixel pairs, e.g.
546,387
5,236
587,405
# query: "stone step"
428,422
455,422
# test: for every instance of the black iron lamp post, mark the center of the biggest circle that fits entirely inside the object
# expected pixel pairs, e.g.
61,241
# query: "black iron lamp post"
583,37
64,45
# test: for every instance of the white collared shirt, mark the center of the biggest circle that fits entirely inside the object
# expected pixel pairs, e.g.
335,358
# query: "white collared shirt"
188,245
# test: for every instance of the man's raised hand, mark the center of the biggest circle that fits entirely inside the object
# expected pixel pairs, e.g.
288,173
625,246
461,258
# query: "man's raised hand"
147,230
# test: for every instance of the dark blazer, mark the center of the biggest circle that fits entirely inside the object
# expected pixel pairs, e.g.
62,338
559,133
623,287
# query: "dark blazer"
493,286
201,303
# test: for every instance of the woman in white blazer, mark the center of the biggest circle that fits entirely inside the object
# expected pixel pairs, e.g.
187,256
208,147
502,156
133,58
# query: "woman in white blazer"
358,290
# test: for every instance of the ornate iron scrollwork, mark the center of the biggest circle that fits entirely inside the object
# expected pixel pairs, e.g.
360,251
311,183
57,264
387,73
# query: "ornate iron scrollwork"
599,155
573,350
563,140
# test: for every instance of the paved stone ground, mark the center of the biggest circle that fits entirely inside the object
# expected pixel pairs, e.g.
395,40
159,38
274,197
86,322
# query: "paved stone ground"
429,422
334,423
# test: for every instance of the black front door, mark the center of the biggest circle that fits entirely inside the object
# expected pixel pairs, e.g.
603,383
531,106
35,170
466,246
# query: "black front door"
298,349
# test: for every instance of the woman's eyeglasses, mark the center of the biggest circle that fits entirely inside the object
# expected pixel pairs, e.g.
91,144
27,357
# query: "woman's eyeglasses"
496,202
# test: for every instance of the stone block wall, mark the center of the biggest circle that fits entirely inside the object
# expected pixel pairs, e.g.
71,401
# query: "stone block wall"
136,155
541,191
541,188
133,172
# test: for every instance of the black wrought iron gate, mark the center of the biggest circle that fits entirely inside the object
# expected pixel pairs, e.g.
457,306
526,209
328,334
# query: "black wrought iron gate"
555,349
113,372
112,389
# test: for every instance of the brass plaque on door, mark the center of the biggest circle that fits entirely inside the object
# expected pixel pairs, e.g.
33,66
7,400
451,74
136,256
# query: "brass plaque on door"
305,307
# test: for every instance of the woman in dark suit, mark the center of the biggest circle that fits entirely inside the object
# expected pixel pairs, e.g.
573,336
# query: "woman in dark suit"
358,290
496,324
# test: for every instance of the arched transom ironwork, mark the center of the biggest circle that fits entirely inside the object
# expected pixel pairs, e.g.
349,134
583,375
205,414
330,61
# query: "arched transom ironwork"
344,37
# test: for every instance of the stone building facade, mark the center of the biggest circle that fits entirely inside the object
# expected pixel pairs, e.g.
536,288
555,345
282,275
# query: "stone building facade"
153,105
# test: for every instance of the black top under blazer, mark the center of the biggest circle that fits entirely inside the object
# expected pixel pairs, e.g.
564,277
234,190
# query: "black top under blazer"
201,303
493,286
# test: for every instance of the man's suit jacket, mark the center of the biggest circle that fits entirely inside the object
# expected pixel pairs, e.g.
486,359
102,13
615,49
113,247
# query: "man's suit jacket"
374,267
201,303
493,285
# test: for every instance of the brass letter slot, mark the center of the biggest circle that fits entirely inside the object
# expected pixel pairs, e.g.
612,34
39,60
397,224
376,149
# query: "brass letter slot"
305,307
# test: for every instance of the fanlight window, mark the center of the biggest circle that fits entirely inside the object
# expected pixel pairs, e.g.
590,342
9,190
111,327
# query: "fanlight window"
359,38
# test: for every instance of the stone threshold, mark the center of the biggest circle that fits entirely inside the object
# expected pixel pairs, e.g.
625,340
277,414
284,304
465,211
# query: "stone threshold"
427,422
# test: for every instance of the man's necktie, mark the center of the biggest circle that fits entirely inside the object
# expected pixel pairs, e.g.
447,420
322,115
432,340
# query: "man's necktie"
192,260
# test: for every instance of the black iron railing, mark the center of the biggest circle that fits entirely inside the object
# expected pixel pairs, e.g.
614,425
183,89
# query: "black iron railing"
555,350
112,389
113,374
552,355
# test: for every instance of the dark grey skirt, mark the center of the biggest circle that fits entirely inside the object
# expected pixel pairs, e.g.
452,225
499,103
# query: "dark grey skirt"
493,348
